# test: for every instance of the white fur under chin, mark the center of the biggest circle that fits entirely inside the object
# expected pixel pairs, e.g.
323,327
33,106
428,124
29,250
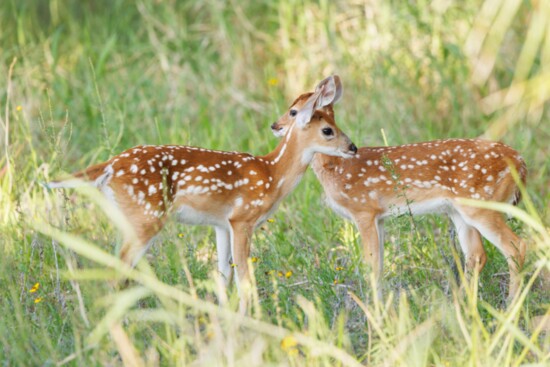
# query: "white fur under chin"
348,155
307,155
279,133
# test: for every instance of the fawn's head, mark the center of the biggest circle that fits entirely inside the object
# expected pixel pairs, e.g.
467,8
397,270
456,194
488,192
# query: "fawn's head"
313,125
329,90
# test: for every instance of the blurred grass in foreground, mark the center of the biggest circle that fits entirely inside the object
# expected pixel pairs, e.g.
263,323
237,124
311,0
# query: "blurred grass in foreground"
83,80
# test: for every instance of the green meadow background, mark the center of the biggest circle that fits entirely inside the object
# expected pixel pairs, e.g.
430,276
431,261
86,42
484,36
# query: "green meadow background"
83,80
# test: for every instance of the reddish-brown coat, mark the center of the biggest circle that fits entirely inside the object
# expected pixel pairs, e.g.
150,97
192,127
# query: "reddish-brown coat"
468,168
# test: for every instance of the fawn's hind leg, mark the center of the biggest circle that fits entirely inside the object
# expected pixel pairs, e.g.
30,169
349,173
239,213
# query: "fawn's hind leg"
493,227
471,245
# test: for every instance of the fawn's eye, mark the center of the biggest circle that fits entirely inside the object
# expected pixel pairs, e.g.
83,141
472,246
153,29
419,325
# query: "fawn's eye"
293,113
327,131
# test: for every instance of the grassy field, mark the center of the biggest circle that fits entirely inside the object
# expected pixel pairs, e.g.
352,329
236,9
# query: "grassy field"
81,81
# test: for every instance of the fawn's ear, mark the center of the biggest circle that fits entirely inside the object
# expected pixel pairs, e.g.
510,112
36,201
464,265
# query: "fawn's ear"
303,117
330,91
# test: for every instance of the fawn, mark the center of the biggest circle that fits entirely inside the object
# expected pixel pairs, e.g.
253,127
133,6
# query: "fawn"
234,192
422,178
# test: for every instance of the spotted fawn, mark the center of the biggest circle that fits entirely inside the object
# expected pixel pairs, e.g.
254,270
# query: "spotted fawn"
234,192
422,178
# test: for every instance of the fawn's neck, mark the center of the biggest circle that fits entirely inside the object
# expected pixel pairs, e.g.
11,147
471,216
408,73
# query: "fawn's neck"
323,163
288,162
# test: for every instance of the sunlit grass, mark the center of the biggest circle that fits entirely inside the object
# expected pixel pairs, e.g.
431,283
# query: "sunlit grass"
83,80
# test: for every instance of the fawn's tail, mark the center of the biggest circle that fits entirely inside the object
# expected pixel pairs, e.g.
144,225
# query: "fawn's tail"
96,175
522,171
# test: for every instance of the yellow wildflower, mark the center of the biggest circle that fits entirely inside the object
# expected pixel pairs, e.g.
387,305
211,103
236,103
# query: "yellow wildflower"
180,235
279,273
288,274
38,300
254,259
273,81
335,281
34,288
270,220
289,345
292,352
339,268
18,108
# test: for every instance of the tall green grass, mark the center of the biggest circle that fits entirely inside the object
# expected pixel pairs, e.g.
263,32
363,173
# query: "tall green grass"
81,81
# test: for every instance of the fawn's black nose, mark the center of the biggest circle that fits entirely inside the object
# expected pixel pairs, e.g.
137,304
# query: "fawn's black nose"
274,126
353,148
